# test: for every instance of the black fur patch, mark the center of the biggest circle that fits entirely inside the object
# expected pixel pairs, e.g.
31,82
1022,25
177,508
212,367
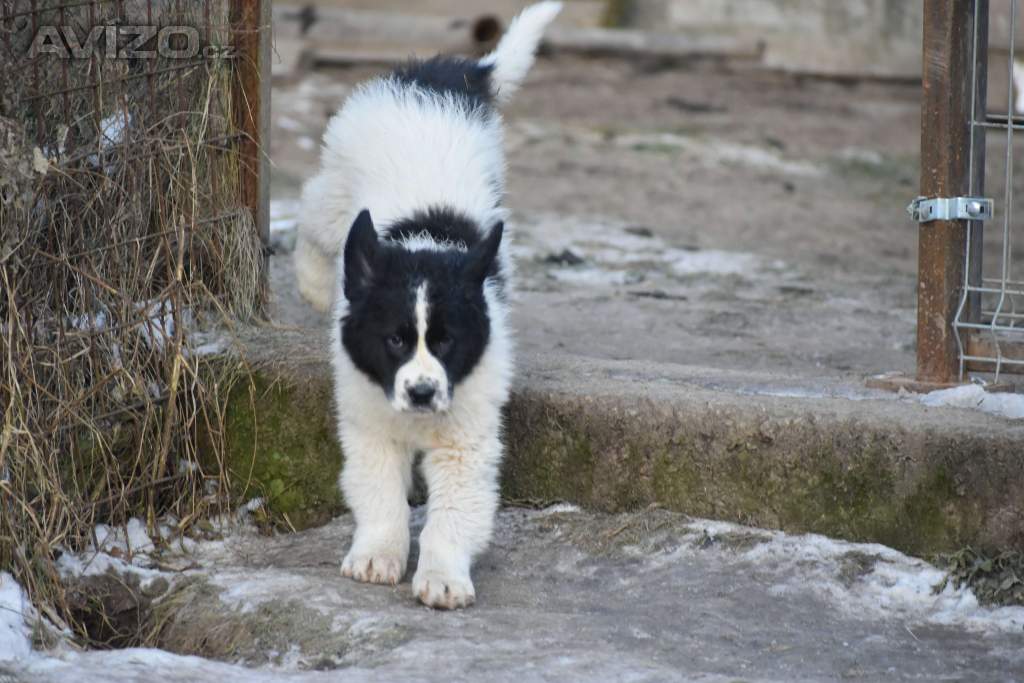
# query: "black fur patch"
444,224
463,78
381,280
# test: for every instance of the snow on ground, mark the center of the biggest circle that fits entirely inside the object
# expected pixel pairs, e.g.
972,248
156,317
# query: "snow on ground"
709,151
614,256
15,632
121,550
975,397
892,585
866,582
720,152
284,214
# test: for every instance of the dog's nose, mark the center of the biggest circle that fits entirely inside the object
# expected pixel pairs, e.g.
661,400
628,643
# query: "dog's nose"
421,394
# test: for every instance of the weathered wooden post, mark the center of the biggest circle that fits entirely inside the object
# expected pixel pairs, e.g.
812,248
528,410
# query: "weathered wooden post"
251,39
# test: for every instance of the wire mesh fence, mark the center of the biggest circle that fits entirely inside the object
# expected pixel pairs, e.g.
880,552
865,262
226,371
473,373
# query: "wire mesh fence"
132,195
989,321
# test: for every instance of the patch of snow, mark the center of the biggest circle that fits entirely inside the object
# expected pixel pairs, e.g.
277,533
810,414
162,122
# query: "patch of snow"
843,392
112,132
861,155
609,250
158,325
15,632
123,550
559,508
974,396
284,214
895,586
136,538
288,123
246,590
113,127
89,322
143,665
717,151
158,321
594,276
714,262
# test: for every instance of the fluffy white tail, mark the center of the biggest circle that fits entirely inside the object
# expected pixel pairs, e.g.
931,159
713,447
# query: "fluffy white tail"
515,52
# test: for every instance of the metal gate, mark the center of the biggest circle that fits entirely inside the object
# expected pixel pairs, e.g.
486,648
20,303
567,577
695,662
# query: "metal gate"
970,299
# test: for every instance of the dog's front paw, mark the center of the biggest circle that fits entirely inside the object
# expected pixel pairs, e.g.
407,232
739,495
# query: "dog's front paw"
443,591
373,567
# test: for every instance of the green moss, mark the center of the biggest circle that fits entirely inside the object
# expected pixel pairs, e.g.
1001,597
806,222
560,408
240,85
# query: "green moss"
617,13
281,445
560,467
924,496
842,483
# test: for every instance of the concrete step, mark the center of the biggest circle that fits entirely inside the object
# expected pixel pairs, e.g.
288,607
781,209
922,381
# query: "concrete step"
796,455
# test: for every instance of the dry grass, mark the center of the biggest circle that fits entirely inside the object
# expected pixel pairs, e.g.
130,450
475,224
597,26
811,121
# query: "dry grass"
115,251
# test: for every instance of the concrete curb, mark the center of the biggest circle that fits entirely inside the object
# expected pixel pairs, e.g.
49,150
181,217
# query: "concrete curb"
621,435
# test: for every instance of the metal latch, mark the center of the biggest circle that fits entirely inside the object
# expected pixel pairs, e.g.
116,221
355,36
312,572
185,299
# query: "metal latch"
925,210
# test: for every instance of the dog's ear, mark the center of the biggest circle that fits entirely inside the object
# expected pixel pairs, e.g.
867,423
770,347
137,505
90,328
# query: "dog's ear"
360,254
481,257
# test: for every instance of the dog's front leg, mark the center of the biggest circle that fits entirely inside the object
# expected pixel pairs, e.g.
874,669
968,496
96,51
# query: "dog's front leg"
375,480
463,497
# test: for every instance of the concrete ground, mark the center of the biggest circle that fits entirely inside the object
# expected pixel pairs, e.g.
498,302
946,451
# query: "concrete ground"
565,595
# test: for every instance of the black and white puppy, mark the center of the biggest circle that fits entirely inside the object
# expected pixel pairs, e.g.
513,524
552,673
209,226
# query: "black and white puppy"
411,182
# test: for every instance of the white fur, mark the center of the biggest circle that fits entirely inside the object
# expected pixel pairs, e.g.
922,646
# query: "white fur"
462,452
380,152
514,55
396,150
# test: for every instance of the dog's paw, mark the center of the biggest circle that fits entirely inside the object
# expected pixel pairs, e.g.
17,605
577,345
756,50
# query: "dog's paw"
442,591
373,568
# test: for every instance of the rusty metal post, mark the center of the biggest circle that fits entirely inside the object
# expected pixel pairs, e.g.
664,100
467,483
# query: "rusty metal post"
251,39
946,136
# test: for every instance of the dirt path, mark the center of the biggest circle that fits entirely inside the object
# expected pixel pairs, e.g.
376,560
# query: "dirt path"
729,218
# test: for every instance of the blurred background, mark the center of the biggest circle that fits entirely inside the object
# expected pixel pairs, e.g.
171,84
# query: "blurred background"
723,180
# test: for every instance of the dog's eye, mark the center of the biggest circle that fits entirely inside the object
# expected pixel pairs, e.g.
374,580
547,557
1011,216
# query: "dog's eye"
442,344
396,342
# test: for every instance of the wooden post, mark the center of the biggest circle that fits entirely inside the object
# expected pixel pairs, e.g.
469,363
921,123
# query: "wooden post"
251,39
946,136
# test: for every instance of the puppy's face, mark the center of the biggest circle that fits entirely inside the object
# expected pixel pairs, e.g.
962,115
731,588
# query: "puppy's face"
417,322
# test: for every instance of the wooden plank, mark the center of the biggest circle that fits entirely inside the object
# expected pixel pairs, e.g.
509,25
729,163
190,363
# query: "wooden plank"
945,150
981,344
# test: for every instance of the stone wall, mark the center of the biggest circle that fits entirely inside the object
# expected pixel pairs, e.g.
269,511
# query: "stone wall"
851,37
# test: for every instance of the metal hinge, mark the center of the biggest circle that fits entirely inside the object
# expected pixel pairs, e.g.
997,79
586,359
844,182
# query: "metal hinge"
925,210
